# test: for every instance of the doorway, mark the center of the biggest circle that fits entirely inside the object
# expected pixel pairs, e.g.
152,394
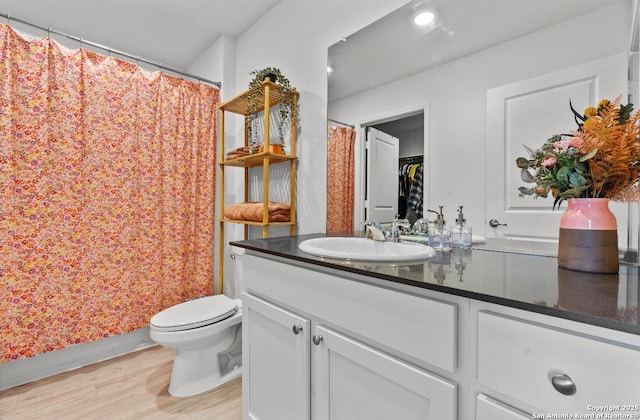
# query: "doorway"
375,199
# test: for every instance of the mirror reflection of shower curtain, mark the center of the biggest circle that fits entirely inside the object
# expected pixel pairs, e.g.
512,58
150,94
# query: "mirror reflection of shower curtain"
340,179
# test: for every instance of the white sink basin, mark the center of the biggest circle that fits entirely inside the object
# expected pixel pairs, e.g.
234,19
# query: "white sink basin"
362,249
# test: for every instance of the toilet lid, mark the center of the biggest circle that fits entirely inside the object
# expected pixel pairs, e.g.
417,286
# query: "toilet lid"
195,313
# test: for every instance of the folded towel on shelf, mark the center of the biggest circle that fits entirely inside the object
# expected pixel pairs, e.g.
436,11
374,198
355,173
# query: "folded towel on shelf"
252,211
238,152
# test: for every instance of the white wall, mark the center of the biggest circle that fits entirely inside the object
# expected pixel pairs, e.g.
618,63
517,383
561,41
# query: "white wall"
456,92
217,63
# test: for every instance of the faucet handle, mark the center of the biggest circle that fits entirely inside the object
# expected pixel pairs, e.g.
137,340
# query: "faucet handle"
372,223
398,227
404,224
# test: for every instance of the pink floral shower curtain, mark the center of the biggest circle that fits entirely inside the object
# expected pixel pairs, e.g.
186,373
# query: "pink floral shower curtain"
107,183
340,179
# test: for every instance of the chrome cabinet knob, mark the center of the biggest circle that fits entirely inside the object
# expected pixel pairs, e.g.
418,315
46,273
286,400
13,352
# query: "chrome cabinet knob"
563,384
297,329
317,339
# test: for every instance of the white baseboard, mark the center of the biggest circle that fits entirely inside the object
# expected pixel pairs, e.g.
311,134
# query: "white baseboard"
23,371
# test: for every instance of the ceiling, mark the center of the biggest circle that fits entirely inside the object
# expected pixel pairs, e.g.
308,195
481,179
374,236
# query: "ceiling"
393,48
169,32
175,32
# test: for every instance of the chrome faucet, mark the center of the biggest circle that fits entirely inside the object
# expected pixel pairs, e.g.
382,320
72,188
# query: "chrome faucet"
377,232
398,226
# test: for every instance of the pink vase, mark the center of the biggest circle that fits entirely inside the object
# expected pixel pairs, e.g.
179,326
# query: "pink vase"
588,236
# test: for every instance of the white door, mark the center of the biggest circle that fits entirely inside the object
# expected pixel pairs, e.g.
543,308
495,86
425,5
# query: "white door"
276,359
382,176
514,116
356,382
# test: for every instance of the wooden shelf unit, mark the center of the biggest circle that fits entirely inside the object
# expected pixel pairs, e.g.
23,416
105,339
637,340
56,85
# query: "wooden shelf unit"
271,95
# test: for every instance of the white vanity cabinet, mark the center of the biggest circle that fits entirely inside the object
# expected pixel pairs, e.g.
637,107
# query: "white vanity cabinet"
321,342
300,362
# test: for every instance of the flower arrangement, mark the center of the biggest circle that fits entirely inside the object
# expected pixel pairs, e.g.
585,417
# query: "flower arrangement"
601,159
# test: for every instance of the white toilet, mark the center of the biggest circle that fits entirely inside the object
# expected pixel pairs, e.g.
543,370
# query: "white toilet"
206,334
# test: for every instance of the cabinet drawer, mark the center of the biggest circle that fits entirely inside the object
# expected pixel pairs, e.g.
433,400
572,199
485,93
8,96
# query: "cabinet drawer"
489,409
419,327
519,359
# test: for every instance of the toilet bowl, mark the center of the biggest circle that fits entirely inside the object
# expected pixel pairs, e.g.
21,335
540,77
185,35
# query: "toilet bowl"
206,335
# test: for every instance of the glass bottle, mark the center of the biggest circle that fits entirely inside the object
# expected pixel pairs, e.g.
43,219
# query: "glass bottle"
461,233
440,235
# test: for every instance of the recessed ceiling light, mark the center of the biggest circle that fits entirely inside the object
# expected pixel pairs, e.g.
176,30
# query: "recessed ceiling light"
424,18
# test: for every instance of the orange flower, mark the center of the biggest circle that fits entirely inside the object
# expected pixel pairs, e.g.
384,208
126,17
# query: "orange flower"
590,112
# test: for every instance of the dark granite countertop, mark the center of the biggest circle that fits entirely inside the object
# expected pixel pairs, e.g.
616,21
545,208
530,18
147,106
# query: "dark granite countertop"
502,272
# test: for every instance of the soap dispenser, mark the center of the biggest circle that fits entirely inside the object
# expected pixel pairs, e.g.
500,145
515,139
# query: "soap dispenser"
461,233
440,235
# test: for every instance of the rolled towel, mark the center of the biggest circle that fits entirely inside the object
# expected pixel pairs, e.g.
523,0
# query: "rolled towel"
252,211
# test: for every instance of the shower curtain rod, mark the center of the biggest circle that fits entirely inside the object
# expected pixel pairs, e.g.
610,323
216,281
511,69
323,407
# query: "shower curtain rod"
110,50
341,123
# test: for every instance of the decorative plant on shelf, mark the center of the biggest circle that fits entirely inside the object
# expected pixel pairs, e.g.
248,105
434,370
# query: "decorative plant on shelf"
255,99
601,159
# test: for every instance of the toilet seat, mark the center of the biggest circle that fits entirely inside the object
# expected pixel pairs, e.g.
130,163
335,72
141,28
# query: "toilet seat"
194,313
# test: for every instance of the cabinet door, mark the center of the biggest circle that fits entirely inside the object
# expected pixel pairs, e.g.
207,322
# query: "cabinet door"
276,362
356,382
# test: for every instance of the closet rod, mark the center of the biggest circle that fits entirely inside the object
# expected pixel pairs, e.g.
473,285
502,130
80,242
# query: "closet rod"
110,50
341,123
412,159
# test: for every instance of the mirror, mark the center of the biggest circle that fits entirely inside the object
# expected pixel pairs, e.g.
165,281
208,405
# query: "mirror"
394,68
